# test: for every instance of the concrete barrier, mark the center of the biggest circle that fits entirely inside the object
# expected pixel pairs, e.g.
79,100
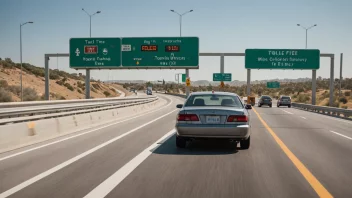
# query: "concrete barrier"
18,135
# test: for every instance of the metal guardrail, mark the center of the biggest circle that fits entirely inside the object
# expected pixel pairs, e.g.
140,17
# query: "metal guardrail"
93,106
331,111
61,114
56,102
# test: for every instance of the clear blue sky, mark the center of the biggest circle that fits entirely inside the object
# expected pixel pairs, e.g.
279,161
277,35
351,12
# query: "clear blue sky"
222,26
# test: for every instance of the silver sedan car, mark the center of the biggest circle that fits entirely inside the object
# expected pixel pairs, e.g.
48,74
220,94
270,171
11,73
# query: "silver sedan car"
213,115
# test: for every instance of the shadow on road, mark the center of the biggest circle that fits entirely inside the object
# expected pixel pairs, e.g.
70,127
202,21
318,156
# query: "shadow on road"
197,147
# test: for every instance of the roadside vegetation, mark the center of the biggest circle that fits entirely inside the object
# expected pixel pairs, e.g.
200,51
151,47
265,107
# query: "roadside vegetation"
300,92
63,85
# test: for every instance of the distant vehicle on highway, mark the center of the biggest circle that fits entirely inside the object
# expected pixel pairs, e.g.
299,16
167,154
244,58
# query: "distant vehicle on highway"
213,115
265,100
149,90
284,101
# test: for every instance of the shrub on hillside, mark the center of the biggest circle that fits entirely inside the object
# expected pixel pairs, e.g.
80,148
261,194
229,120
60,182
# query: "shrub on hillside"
302,98
68,86
106,93
5,96
347,93
59,82
96,86
80,85
334,104
6,64
15,89
30,94
79,91
343,100
53,76
8,60
37,71
3,84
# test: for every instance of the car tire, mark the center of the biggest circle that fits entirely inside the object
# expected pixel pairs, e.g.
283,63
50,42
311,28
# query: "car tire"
244,144
289,106
270,106
278,106
259,105
180,142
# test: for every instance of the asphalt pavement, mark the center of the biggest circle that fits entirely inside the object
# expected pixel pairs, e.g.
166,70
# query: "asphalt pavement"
293,153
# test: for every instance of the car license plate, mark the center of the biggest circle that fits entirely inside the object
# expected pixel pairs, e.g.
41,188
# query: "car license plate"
213,119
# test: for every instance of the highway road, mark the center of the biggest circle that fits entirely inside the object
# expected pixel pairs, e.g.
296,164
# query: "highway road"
122,94
293,153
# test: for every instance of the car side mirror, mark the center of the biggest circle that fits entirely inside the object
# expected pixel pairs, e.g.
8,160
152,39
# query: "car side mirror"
179,106
248,106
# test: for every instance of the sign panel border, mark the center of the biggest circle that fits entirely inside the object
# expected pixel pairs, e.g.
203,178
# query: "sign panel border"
93,67
159,67
281,67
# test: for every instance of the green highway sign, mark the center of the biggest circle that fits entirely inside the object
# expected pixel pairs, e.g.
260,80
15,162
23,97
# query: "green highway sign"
95,53
183,77
282,59
222,76
160,52
273,84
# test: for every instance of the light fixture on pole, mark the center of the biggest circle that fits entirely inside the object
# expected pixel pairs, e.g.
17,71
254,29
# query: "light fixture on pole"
181,15
22,24
307,31
90,20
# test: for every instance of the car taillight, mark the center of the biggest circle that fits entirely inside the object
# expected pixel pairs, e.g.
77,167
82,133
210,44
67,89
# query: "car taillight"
187,117
237,118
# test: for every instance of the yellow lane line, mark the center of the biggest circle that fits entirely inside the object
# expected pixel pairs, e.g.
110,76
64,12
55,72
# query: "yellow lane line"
312,180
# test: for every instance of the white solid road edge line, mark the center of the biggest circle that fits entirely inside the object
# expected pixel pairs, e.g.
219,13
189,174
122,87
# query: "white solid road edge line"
80,134
341,135
70,161
287,111
110,183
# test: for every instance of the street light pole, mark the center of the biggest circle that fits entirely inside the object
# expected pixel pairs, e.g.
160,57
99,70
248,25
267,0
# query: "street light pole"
87,80
307,31
21,56
181,15
314,72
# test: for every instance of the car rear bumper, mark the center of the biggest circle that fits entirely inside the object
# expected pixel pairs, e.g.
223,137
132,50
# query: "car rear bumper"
284,104
237,132
265,103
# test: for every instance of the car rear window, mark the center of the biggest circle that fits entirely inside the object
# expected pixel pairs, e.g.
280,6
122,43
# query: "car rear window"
285,97
214,100
265,97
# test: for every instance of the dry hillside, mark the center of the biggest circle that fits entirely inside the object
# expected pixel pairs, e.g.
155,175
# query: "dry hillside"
62,85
